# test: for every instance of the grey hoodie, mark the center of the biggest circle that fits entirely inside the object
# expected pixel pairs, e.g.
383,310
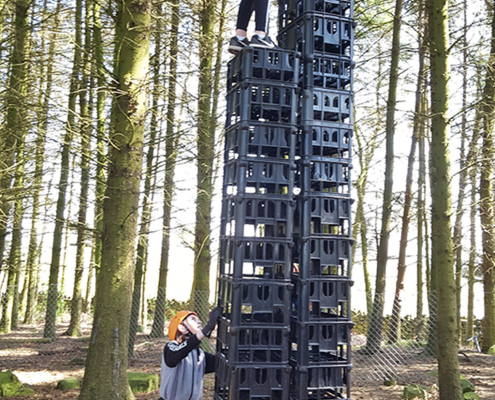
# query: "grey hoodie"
183,368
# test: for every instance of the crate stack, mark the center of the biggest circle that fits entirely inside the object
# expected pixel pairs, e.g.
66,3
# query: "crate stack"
322,31
256,243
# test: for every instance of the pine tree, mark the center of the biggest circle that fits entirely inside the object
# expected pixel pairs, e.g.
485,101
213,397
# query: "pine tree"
85,134
473,167
147,207
105,375
42,127
171,144
394,333
442,243
376,318
486,198
52,296
12,150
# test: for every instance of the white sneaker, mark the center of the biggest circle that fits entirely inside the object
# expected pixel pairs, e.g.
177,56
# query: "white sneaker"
256,41
236,45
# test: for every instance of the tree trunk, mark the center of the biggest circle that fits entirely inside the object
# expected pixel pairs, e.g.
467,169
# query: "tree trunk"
89,287
144,303
91,106
431,270
421,221
360,224
171,142
217,73
462,175
52,296
12,150
12,137
147,207
31,262
394,333
442,244
85,129
100,135
105,376
205,158
365,154
486,199
472,166
376,318
472,254
68,225
15,250
10,318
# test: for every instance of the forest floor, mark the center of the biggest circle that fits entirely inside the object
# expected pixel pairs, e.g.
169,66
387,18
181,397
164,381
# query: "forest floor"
39,365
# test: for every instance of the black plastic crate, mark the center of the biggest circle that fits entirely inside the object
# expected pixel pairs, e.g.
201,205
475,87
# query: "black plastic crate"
327,212
259,176
254,344
315,356
260,259
332,336
320,269
290,10
321,257
320,344
252,101
327,215
328,72
325,257
258,217
260,139
329,251
325,293
319,312
316,302
256,302
326,106
325,140
324,177
253,382
320,382
277,65
315,34
329,227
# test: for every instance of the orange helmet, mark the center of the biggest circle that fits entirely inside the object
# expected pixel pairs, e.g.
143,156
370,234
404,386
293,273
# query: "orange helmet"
176,321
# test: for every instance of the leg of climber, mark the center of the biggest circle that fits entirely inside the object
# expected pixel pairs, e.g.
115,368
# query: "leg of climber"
260,39
240,41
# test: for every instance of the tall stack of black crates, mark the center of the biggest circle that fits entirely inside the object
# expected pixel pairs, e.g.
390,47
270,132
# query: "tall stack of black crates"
322,31
284,281
256,241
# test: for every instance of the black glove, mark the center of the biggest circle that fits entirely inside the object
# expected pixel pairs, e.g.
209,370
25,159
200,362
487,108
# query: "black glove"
212,322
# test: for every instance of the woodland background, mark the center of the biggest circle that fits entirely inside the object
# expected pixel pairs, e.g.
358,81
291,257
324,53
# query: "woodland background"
61,72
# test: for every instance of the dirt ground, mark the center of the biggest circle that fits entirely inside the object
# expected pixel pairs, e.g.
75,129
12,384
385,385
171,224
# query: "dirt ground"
40,365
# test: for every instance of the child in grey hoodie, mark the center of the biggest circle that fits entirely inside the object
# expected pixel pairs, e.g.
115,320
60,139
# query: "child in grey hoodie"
183,362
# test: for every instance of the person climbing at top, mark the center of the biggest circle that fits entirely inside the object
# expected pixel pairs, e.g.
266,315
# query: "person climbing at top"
260,38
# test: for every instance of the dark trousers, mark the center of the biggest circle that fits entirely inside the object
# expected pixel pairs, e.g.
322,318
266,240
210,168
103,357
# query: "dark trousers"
246,9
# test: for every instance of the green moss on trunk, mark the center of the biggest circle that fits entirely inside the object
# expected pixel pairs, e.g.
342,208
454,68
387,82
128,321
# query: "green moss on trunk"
106,365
